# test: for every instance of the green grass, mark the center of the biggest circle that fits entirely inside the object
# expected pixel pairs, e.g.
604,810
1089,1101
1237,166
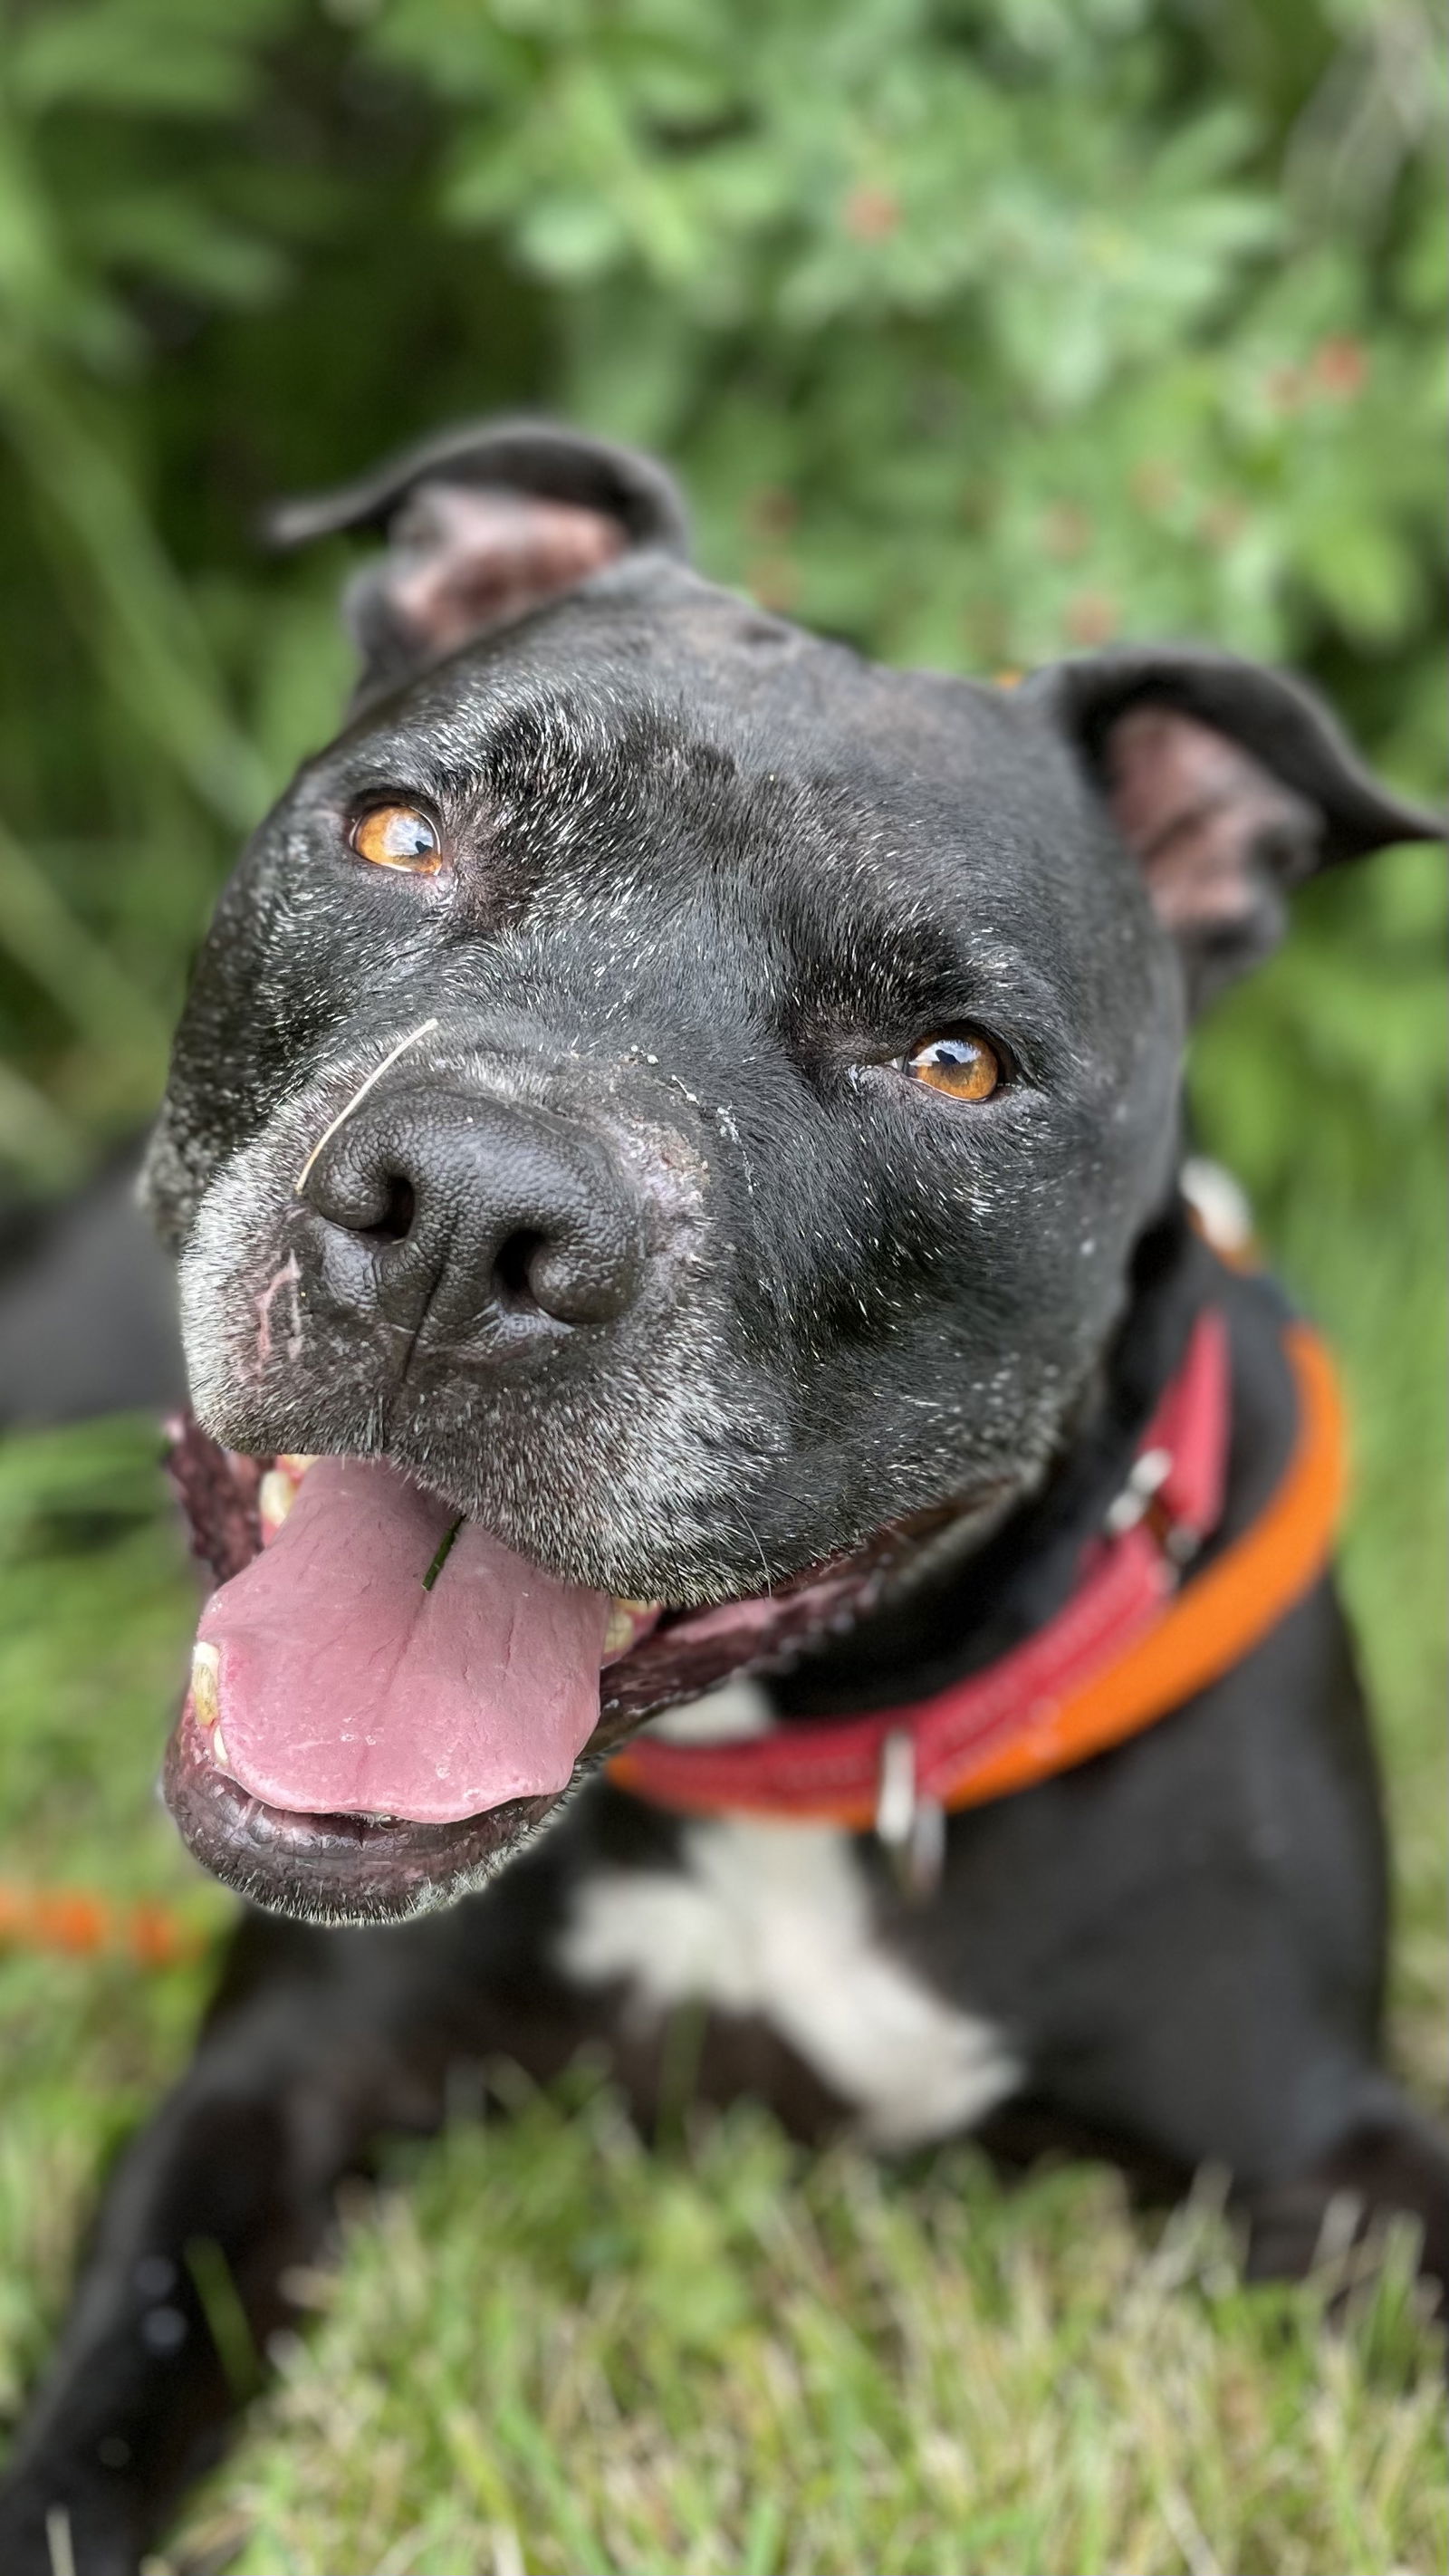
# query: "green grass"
547,2349
727,2359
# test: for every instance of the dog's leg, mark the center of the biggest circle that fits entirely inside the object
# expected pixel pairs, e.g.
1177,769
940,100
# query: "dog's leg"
1216,1997
1392,2163
320,2042
1228,2057
185,2277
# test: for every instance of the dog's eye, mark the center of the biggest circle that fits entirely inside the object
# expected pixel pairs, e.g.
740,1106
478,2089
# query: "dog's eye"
398,836
960,1062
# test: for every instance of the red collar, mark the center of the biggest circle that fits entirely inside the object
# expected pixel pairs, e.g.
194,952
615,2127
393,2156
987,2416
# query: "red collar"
1128,1646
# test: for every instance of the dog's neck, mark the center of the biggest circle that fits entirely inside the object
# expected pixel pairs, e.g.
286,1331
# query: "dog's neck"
977,1609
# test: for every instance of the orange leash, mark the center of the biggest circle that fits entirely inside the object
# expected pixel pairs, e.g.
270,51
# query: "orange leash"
81,1925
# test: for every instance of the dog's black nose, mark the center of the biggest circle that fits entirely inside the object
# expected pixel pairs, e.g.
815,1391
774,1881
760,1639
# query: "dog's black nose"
462,1219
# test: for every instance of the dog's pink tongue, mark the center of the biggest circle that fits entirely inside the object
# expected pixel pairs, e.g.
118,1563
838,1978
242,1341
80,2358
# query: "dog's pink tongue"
347,1686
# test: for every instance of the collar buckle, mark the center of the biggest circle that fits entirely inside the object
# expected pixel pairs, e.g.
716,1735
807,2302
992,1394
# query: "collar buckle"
1143,1498
1148,1475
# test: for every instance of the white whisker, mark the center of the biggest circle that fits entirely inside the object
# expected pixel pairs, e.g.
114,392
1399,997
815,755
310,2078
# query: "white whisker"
359,1095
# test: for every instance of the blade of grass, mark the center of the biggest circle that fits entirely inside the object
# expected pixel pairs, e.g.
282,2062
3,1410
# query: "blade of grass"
140,624
36,1139
78,974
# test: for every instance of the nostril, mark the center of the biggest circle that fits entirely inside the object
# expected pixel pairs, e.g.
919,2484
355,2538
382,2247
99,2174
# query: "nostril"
464,1221
512,1264
399,1209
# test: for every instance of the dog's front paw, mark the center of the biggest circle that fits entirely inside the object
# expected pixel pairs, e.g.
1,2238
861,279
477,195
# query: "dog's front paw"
45,2534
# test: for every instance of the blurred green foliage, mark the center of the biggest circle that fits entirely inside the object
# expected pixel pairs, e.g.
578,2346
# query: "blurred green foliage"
980,329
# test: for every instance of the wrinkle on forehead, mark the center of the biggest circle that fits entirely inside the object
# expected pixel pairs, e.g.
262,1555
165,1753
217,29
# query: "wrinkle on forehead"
651,636
800,858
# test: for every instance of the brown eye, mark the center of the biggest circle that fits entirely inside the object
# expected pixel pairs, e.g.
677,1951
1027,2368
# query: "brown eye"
962,1064
398,836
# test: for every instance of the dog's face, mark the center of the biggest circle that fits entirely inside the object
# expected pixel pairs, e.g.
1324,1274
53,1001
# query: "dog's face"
678,1101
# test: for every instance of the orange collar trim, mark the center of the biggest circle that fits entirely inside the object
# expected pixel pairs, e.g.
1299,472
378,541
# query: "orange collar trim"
1183,1644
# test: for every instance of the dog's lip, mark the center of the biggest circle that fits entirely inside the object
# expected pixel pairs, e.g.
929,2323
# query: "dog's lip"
361,1868
338,1868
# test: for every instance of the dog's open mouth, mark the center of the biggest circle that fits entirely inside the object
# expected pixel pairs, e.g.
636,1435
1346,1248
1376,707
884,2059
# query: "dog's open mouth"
384,1699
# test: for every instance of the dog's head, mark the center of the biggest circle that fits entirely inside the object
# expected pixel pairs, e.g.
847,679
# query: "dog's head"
662,1116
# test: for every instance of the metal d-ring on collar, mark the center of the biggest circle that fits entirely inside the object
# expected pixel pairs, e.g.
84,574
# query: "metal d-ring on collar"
910,1828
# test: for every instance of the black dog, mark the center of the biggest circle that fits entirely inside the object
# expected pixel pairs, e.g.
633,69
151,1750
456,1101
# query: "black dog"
686,1122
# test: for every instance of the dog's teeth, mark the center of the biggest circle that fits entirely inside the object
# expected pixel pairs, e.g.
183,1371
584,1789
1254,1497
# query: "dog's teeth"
276,1494
296,1463
218,1745
623,1619
206,1683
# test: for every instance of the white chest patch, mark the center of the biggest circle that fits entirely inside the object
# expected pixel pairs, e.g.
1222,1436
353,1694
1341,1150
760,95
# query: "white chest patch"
775,1920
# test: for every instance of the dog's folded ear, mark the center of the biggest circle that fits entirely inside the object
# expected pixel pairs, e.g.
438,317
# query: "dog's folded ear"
1229,783
482,525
